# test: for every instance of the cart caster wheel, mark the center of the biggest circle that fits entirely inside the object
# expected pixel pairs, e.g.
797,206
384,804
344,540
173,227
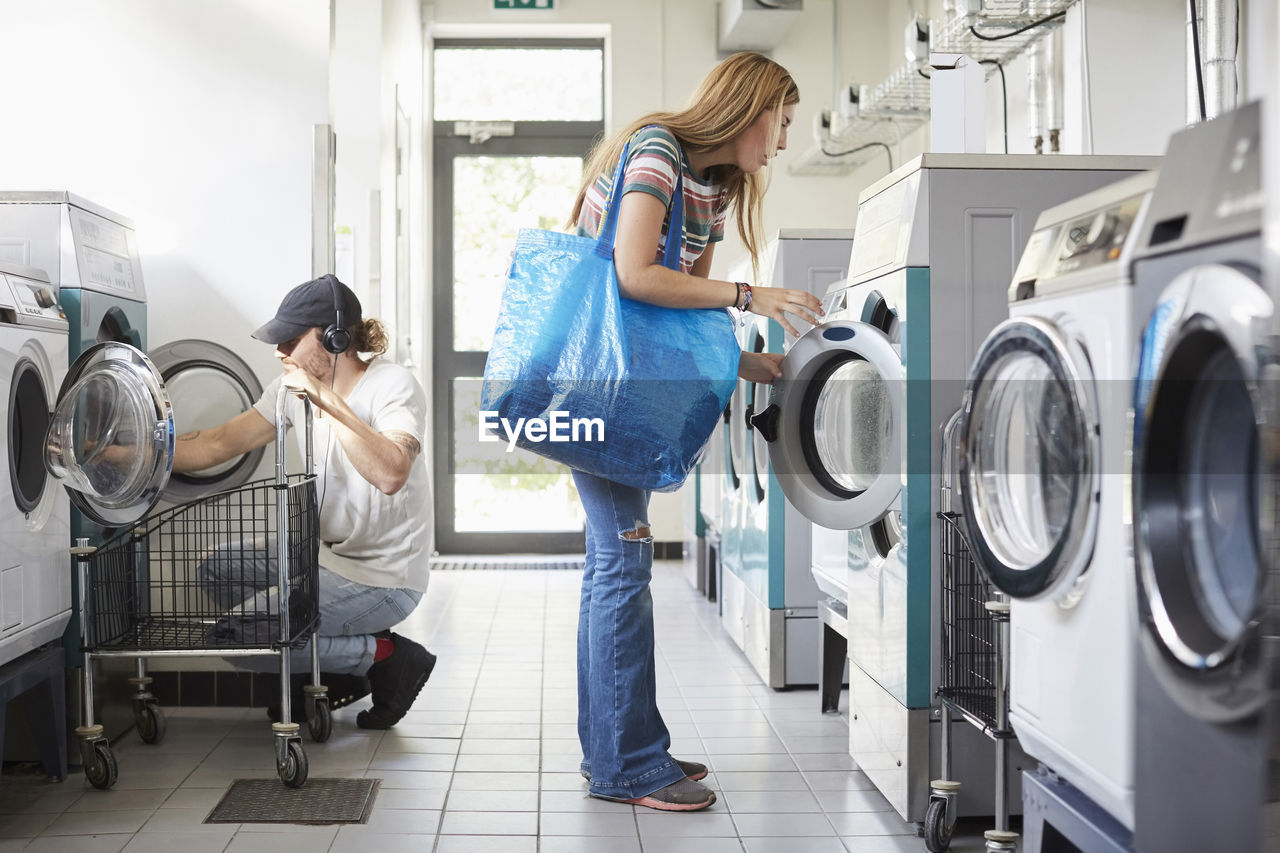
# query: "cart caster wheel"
320,720
150,720
102,770
294,772
937,833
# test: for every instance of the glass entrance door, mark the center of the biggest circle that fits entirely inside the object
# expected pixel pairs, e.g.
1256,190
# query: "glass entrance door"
496,171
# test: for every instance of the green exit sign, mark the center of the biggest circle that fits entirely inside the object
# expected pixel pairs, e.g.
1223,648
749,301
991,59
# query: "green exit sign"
524,4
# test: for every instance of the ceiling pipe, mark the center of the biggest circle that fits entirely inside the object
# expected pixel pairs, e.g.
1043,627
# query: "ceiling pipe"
1194,24
1221,19
1055,85
1035,97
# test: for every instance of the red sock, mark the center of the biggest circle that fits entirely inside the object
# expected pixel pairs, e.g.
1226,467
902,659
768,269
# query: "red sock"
384,649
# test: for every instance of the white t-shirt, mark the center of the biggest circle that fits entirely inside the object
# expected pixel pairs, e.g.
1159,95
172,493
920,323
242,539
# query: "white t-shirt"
365,535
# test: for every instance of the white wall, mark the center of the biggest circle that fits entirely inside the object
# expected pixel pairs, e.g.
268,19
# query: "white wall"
195,120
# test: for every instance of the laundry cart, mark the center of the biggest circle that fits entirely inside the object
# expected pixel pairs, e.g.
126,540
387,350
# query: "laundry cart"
973,680
233,574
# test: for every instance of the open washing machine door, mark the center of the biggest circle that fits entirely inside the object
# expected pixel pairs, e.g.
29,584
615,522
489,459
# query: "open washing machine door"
834,424
1198,490
208,385
1030,460
110,440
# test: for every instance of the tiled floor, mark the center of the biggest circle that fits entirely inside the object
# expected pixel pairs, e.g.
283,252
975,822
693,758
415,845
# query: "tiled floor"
488,758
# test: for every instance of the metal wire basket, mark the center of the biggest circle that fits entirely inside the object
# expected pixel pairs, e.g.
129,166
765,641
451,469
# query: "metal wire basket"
181,580
969,680
204,578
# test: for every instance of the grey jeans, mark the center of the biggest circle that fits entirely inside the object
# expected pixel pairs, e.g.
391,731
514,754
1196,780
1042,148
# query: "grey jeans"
242,579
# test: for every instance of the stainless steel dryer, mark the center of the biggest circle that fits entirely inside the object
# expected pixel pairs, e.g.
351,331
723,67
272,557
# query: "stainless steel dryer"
1205,759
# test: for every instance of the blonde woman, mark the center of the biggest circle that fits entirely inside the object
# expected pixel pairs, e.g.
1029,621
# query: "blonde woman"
735,123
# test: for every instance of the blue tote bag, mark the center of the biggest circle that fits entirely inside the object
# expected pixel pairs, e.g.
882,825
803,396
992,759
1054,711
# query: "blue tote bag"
617,388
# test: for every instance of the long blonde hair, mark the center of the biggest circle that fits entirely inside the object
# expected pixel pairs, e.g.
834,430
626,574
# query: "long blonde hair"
725,104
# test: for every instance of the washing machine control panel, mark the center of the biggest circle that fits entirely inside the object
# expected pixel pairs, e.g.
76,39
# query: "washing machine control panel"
35,302
1086,241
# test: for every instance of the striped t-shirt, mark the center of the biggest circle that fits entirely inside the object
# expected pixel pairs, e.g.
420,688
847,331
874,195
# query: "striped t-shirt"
651,167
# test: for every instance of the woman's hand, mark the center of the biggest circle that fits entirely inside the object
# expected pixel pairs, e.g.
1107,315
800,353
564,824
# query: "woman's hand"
762,367
776,302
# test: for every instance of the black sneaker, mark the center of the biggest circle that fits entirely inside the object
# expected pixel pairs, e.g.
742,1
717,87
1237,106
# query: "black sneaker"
344,690
396,681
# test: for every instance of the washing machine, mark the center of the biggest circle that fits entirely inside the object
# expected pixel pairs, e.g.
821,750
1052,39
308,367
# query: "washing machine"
855,426
1043,438
35,588
769,595
91,255
1206,769
770,588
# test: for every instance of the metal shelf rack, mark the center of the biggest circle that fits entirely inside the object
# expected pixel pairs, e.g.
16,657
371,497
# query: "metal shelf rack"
900,103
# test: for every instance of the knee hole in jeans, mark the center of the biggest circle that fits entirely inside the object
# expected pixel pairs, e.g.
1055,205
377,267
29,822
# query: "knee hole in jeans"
640,533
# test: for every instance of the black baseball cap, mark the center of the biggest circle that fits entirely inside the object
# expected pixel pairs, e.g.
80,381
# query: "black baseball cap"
308,305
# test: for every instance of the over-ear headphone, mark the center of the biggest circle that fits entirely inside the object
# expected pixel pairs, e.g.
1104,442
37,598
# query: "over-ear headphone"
336,339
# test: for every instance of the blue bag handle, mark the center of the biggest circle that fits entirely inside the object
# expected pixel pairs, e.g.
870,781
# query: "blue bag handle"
675,222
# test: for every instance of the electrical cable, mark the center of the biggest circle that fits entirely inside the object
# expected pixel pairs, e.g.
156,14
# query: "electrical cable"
328,443
1030,26
883,145
1195,46
1004,98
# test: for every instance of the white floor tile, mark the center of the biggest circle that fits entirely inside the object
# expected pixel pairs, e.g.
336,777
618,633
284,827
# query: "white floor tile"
585,844
489,823
112,843
484,844
770,802
98,823
794,845
614,824
783,825
187,842
352,839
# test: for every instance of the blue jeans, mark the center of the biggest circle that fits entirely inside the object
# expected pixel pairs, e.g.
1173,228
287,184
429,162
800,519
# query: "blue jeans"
241,579
624,740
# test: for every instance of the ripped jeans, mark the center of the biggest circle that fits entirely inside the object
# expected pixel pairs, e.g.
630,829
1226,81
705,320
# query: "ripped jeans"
241,579
624,740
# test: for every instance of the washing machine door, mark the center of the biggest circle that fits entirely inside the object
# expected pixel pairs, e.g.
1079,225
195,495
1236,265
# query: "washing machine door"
110,440
208,385
1197,490
1030,460
834,424
756,400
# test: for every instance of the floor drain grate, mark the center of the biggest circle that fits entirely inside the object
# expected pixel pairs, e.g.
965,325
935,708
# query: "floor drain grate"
320,801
